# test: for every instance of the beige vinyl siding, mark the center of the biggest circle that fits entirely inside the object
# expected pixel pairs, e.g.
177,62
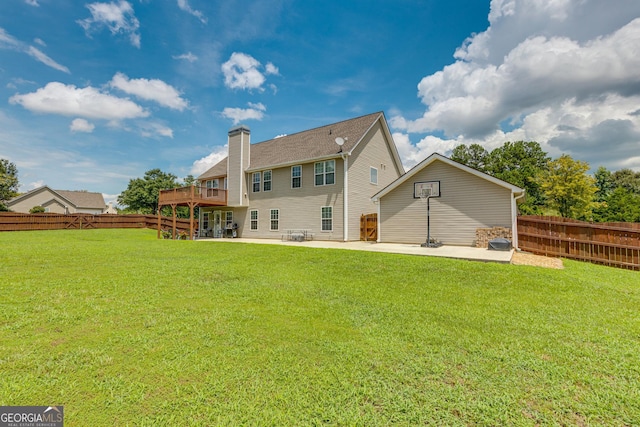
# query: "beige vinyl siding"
44,198
467,202
300,208
373,151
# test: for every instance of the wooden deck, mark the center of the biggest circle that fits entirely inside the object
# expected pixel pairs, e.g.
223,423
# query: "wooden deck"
189,196
193,196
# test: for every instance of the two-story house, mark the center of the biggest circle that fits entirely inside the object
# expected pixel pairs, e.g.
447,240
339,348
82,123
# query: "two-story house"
319,181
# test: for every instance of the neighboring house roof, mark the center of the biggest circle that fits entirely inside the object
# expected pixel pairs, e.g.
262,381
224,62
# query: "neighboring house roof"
309,145
438,157
84,199
79,199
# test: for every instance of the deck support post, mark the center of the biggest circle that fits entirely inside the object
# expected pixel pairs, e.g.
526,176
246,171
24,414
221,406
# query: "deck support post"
159,210
175,232
192,206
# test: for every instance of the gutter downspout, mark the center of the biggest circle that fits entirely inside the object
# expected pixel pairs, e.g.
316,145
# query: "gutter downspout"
377,203
514,220
345,198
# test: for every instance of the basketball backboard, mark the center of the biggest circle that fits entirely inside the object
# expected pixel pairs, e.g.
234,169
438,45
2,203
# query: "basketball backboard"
426,188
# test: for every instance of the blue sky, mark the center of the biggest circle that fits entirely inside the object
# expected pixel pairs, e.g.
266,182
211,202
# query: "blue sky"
93,94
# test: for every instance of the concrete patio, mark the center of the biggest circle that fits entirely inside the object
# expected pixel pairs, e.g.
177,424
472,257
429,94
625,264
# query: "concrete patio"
457,252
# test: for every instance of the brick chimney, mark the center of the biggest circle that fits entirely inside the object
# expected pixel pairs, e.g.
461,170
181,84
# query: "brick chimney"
238,161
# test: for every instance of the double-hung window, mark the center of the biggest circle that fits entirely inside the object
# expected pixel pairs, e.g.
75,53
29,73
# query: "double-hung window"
325,172
296,176
266,181
254,220
212,187
275,220
327,218
256,182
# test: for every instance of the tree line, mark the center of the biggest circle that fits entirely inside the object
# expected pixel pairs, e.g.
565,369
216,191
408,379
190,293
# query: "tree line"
559,186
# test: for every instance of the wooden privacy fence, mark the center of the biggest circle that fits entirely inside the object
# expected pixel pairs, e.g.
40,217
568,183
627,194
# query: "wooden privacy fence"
11,221
614,244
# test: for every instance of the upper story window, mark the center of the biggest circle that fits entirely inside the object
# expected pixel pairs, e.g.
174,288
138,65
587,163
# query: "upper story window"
374,175
325,172
296,176
256,182
266,181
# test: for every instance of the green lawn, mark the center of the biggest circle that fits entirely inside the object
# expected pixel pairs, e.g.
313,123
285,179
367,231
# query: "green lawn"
124,329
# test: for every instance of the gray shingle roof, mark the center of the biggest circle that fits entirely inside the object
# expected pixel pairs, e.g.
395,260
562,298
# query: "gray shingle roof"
83,199
303,147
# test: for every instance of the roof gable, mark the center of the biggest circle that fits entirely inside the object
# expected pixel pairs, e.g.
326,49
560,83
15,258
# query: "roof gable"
309,145
78,199
438,157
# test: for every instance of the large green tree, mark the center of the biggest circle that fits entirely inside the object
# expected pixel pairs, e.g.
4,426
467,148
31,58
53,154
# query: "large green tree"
627,179
519,163
567,187
8,182
621,205
141,195
474,155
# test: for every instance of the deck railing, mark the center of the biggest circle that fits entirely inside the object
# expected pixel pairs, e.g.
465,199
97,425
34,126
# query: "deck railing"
195,194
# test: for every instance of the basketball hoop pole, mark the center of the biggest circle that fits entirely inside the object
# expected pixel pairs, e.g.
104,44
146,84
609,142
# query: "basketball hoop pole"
427,244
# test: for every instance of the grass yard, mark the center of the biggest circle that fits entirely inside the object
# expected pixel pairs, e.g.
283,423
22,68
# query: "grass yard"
124,329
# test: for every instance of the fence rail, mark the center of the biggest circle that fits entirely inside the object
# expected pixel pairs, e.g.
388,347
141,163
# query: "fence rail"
613,244
11,221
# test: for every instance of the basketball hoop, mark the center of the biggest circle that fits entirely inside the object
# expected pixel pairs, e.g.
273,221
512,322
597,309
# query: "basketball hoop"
427,190
425,193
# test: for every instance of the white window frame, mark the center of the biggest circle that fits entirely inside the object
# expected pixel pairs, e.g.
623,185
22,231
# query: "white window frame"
213,183
324,172
228,219
264,180
299,177
205,220
276,219
255,182
323,219
253,223
373,175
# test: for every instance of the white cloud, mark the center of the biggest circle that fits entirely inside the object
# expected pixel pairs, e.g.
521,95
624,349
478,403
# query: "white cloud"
184,5
38,55
254,112
151,90
271,69
119,18
88,102
151,129
32,2
40,42
32,185
560,72
200,166
187,57
7,41
81,125
243,71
